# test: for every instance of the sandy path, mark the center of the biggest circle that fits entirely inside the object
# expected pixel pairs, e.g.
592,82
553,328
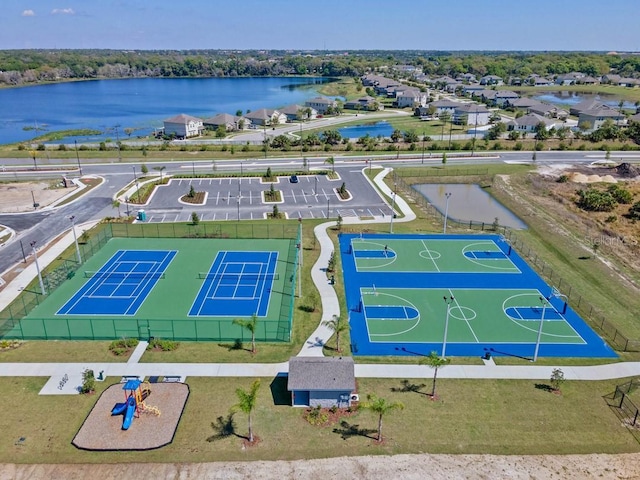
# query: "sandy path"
407,467
19,196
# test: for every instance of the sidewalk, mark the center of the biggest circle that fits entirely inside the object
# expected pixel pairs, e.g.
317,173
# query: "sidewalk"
58,372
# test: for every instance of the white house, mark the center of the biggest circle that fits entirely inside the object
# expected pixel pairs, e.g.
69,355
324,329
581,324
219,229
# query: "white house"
411,98
596,117
298,112
321,104
266,117
183,126
471,114
529,122
228,121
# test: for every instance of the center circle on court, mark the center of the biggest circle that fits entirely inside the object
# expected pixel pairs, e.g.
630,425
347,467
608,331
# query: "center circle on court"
462,313
430,254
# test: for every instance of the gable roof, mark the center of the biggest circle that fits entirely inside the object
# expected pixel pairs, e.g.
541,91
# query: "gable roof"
321,373
531,119
222,119
183,119
471,108
292,109
262,114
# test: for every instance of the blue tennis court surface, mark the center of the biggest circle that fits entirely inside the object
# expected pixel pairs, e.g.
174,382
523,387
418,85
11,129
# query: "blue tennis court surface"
238,283
121,285
473,294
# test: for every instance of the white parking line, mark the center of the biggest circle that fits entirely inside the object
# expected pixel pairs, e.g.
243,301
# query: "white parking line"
294,197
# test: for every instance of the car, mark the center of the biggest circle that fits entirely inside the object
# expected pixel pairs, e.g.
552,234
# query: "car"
293,179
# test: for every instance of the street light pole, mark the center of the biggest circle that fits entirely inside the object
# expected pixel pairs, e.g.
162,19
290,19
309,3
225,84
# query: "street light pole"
78,157
328,200
422,148
393,205
448,301
238,207
446,211
135,179
72,218
545,302
35,257
316,189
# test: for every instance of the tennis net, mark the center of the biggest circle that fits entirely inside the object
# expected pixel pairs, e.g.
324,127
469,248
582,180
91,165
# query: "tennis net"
238,277
124,275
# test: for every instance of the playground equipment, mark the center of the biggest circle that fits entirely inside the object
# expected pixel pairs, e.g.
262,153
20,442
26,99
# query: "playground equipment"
135,393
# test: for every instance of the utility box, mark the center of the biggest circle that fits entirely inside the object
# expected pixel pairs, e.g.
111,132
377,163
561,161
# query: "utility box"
142,215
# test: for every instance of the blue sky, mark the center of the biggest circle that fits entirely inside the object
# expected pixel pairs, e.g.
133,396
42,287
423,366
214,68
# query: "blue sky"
315,25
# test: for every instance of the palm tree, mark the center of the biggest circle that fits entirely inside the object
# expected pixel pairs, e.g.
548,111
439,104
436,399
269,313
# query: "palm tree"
331,161
116,204
160,169
250,325
380,406
247,403
337,325
435,361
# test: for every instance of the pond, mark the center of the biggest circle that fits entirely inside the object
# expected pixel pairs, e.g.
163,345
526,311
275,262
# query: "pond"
573,98
468,202
383,129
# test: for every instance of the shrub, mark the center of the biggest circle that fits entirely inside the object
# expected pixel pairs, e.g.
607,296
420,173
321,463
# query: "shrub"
315,416
88,381
563,178
164,345
518,146
122,346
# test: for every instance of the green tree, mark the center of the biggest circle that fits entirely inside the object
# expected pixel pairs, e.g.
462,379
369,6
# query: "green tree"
192,192
337,325
144,169
247,403
435,361
444,158
88,381
160,169
396,135
116,204
331,161
251,325
380,407
195,218
557,379
331,137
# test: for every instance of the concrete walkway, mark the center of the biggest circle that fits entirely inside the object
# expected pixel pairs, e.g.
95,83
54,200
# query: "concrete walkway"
66,377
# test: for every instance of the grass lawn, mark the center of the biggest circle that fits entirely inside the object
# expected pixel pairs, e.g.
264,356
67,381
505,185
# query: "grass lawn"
41,351
471,416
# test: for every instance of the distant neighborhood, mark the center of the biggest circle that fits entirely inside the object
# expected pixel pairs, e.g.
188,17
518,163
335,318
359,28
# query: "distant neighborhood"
464,100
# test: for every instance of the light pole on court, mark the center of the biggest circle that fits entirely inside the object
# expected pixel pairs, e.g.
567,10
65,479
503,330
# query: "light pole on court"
448,300
238,207
72,218
35,257
446,211
393,205
545,302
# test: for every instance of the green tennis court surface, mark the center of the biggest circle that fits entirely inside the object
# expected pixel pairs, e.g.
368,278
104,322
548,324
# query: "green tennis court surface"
117,294
412,294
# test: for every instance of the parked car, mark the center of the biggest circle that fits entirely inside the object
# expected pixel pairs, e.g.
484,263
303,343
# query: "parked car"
293,179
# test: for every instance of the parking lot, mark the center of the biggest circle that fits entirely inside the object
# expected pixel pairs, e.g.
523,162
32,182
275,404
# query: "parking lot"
313,196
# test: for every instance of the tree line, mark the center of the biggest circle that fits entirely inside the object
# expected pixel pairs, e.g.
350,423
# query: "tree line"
24,67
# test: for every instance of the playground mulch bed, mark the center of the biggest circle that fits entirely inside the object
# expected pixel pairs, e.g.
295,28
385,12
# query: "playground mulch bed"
102,431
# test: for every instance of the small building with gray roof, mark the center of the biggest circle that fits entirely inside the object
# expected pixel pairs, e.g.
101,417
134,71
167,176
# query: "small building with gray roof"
321,381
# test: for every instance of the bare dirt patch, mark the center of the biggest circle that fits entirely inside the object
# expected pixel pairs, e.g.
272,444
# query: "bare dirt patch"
19,196
419,467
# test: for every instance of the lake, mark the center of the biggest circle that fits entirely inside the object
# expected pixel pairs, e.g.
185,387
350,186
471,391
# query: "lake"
469,202
140,103
573,98
383,129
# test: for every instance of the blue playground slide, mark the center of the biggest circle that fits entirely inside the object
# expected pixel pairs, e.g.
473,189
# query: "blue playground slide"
119,408
128,416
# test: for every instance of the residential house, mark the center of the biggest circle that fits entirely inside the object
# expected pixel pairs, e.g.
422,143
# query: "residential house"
472,89
444,106
471,114
183,126
467,78
529,122
629,82
548,110
588,80
521,103
410,98
365,103
266,117
596,117
635,118
321,104
491,80
611,78
540,82
321,381
503,96
229,122
589,104
298,112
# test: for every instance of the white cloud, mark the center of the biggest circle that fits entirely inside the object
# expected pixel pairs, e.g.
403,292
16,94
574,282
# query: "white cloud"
28,13
63,11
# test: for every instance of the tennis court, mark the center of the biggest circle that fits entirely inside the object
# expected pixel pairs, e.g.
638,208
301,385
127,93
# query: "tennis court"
468,294
161,288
